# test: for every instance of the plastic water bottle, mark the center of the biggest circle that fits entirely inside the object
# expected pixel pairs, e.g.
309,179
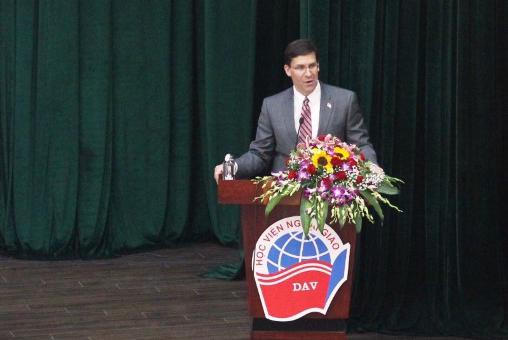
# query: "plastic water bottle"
228,168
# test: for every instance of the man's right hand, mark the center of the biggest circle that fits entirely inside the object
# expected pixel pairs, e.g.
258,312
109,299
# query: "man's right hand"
217,172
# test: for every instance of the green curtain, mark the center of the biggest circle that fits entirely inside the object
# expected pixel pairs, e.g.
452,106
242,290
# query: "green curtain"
432,77
112,116
114,113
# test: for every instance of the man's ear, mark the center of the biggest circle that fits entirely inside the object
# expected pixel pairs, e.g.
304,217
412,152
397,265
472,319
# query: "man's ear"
287,69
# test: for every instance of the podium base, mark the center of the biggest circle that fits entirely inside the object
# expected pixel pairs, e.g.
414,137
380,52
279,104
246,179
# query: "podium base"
306,328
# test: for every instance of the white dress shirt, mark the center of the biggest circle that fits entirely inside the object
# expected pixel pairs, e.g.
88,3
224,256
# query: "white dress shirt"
314,103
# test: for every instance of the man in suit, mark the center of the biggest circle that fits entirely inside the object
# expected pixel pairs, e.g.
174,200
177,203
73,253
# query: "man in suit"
327,110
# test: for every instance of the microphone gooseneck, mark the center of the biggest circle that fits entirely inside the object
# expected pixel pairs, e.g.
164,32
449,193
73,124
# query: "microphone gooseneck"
300,122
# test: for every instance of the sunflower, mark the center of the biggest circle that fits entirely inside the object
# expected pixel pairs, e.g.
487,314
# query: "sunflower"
321,158
343,154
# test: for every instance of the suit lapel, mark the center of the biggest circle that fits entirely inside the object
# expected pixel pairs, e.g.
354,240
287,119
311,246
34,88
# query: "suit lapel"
289,115
325,112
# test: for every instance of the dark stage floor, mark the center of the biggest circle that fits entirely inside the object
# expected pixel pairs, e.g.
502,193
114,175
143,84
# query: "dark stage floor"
151,295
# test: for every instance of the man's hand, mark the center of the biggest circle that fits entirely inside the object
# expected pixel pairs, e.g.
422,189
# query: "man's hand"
217,172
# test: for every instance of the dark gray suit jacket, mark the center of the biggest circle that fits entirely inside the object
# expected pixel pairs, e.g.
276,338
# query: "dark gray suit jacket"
340,115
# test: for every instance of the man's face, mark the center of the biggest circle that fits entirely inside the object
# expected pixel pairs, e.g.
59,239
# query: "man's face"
303,71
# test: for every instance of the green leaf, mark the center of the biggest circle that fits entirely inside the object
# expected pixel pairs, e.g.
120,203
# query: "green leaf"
373,202
322,215
304,216
272,203
358,223
387,188
342,217
393,179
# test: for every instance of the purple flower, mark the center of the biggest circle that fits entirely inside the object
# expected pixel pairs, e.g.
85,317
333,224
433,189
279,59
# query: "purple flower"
341,195
303,175
323,190
304,163
308,192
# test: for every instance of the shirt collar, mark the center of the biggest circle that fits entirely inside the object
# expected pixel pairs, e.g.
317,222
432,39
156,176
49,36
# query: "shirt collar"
314,96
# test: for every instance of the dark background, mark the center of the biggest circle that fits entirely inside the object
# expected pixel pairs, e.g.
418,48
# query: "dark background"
114,113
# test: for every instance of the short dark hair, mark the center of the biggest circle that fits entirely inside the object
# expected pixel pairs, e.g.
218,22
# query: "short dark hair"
298,48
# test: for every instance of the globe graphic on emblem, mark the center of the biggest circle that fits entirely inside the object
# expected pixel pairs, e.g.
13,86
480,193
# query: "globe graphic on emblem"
293,248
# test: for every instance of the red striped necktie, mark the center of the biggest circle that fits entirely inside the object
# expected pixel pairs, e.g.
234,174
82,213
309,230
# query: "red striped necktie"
306,127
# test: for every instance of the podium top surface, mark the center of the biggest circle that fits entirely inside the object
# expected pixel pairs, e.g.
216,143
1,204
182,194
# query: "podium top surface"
244,191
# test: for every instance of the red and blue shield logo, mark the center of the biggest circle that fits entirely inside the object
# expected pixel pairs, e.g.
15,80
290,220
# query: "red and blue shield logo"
297,275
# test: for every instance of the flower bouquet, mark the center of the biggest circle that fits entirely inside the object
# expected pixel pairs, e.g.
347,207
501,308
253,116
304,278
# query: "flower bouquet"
334,176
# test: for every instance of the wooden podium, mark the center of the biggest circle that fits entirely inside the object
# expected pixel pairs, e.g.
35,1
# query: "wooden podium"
313,326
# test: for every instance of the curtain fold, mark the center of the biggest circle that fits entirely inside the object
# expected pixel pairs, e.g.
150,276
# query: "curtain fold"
113,114
225,117
428,75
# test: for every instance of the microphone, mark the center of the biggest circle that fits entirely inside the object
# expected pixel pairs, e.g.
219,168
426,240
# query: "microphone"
300,122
